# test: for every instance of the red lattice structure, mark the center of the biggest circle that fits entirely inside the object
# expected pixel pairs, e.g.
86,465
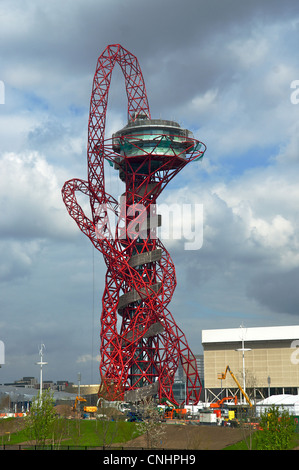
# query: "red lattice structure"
141,344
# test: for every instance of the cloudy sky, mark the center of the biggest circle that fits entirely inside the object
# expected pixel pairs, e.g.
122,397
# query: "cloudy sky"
226,70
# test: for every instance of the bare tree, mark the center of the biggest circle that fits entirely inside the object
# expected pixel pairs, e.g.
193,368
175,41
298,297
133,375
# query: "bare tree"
104,427
151,425
249,416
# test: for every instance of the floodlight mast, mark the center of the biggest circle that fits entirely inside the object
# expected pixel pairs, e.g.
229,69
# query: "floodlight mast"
146,351
41,363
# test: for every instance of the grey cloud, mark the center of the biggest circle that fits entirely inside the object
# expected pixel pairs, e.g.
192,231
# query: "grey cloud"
277,290
16,261
180,45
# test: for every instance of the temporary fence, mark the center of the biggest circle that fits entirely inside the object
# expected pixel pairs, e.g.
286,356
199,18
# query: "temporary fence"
12,415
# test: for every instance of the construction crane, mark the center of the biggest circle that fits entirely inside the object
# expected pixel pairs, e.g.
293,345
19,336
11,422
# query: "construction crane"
222,376
216,407
77,400
220,402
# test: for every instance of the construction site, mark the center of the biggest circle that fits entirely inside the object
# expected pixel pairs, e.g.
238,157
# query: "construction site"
244,373
263,371
141,357
147,367
144,353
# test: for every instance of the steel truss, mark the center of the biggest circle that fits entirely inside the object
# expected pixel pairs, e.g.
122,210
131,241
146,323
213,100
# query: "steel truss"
148,347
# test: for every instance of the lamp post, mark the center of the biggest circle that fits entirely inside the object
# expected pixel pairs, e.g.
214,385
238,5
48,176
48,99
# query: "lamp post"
243,350
79,393
41,363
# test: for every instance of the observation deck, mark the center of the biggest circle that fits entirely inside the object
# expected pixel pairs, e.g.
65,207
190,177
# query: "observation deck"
164,142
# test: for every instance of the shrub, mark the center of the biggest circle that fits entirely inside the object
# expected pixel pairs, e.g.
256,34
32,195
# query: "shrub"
277,429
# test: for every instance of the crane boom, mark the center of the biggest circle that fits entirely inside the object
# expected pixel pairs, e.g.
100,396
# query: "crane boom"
222,376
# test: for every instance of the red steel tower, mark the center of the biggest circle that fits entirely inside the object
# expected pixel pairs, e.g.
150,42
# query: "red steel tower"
141,345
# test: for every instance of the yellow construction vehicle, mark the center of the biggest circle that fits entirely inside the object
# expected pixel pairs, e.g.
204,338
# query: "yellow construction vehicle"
86,409
90,409
222,376
78,399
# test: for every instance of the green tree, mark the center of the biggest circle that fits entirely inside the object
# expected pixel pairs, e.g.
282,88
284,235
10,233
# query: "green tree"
42,418
277,429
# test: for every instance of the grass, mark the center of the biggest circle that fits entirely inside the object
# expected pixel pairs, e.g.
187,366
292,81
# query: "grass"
95,433
77,433
81,433
242,445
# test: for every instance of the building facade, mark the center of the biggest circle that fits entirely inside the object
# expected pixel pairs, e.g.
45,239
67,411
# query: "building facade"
264,360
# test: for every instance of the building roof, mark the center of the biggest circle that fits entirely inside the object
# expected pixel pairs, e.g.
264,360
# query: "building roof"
18,394
280,400
270,333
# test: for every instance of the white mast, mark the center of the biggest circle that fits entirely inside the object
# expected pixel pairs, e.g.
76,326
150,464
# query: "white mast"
41,363
243,350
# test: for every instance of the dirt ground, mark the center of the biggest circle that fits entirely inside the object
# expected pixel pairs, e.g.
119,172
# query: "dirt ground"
10,426
193,437
175,436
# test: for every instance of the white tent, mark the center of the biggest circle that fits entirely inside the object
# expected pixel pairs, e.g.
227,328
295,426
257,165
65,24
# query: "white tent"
286,402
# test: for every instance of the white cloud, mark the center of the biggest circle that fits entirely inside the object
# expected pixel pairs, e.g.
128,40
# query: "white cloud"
265,203
87,358
202,103
275,234
250,51
17,258
30,197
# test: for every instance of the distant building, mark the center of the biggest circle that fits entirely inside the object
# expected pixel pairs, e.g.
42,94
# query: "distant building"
18,399
32,382
179,386
62,385
48,384
27,382
200,367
